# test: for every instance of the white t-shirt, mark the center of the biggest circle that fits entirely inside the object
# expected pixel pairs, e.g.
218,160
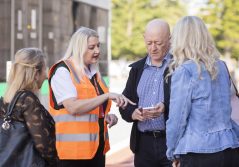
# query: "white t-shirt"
62,85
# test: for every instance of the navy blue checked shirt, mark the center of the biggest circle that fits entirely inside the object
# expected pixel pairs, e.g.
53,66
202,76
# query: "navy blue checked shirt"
150,92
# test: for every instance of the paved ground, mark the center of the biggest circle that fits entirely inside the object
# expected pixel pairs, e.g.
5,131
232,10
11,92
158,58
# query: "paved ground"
121,158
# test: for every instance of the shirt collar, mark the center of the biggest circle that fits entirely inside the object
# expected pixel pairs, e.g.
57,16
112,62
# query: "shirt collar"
166,58
90,73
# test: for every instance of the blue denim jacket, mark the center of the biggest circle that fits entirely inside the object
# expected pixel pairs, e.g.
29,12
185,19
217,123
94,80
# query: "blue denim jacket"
200,112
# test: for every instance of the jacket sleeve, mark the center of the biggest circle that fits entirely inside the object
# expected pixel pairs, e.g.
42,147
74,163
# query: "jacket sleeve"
180,106
167,84
130,93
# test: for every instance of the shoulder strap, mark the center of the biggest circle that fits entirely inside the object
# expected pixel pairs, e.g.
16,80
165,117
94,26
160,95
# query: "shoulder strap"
12,103
58,65
237,94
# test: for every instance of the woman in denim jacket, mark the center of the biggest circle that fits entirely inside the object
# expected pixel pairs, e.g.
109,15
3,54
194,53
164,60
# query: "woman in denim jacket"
200,131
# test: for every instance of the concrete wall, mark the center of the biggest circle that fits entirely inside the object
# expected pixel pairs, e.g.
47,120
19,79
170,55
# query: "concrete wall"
5,39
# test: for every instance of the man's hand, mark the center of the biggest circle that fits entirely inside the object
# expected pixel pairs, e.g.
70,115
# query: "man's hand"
137,114
154,112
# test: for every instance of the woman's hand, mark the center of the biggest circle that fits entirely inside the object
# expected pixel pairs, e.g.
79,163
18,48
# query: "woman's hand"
111,119
120,100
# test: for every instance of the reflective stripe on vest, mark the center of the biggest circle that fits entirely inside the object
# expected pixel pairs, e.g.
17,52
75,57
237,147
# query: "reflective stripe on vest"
77,136
72,118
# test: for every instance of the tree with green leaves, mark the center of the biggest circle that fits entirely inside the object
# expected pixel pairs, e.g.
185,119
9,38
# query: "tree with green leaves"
222,18
129,18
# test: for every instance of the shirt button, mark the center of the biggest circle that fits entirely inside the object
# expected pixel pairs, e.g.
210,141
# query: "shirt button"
153,92
155,80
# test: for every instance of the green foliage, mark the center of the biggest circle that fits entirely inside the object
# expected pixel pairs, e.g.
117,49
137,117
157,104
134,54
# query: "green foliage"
222,18
129,18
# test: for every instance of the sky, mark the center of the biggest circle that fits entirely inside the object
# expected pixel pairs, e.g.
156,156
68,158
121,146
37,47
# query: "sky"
194,5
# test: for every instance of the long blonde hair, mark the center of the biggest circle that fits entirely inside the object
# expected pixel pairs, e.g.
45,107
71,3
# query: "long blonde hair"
28,61
78,46
191,40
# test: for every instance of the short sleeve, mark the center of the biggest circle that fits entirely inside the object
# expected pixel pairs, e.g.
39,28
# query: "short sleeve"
62,85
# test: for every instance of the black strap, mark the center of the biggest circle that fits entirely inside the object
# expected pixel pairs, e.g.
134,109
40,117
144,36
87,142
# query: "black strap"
237,94
61,64
12,103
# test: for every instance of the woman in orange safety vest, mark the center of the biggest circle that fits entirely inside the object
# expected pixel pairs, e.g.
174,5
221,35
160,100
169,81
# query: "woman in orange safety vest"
80,102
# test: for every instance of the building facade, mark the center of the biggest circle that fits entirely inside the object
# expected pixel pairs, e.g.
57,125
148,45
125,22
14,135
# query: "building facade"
48,25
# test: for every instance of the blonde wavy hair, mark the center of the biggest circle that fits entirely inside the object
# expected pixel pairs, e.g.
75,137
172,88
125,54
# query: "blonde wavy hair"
28,62
78,46
191,40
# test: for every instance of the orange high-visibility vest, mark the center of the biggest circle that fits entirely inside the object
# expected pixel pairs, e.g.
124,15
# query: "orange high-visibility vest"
77,136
